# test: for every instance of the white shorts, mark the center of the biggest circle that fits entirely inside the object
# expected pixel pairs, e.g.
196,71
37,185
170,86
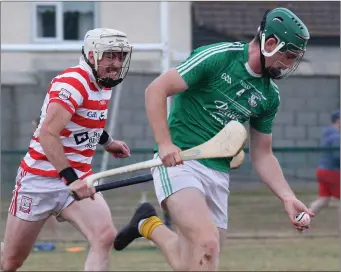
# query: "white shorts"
37,197
212,183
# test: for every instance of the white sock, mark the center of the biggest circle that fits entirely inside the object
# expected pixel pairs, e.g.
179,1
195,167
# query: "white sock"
140,224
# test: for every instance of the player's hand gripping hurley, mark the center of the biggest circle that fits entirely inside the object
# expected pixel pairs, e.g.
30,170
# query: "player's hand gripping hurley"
227,143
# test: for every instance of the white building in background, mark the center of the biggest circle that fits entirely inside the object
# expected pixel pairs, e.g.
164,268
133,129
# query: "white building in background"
66,22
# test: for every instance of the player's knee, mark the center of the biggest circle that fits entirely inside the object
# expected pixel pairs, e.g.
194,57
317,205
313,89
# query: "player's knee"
207,241
207,233
210,246
103,238
207,251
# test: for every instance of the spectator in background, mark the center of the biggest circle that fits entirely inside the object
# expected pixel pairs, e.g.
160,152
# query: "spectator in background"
328,171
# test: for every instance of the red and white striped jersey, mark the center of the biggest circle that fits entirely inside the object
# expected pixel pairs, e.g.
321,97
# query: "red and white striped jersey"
76,90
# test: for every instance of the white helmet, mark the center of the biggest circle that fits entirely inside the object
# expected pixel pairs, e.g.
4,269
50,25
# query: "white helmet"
98,41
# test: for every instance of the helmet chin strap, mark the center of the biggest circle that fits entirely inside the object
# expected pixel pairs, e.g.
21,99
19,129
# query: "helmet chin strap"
262,62
107,82
265,71
274,73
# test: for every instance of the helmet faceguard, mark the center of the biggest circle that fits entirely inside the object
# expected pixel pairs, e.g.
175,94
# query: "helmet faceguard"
292,37
295,57
113,48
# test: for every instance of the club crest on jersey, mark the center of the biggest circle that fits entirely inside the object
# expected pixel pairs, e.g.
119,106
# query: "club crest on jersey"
253,99
64,94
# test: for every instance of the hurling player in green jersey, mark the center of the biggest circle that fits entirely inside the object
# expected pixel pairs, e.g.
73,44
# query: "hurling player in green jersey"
216,84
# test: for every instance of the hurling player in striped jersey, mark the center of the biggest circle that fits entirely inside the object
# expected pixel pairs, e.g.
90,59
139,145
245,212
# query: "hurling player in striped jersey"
72,121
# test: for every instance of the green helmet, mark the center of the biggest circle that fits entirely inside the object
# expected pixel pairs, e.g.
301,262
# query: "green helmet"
291,33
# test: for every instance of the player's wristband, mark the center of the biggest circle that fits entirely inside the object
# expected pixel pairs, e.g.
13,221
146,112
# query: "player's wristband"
105,139
68,175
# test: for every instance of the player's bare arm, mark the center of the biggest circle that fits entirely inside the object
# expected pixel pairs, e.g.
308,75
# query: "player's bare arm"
268,168
56,119
167,84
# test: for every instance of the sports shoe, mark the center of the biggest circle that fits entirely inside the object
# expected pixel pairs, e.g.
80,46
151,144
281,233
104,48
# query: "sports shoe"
131,231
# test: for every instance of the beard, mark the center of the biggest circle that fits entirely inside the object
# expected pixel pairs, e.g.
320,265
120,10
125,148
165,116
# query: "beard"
271,72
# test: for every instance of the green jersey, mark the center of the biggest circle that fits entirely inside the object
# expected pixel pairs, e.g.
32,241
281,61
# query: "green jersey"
221,88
